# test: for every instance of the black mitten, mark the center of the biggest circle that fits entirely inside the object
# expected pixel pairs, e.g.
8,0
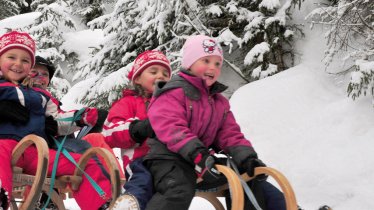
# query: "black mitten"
204,167
101,116
140,130
251,163
51,129
12,111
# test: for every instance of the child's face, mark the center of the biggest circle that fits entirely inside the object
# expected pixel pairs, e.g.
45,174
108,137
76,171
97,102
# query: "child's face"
208,68
39,76
148,78
15,64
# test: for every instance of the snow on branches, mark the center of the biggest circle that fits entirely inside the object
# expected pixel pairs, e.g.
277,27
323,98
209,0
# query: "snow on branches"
350,26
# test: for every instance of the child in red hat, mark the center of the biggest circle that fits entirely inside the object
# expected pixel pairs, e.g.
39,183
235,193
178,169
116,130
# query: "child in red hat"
127,125
27,109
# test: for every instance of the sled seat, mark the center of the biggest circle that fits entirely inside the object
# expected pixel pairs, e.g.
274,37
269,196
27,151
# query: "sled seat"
238,203
64,184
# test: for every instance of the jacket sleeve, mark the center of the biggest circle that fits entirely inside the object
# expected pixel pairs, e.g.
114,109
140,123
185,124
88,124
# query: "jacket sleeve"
231,139
53,109
116,126
168,116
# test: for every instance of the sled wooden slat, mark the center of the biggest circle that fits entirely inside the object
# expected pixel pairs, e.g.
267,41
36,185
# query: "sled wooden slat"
282,181
29,201
236,190
112,165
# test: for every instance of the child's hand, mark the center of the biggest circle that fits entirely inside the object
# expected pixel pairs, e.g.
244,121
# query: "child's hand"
12,111
251,164
51,127
140,130
204,167
89,117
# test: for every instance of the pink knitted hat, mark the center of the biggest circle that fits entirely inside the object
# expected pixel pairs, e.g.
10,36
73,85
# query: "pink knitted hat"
147,59
20,40
198,46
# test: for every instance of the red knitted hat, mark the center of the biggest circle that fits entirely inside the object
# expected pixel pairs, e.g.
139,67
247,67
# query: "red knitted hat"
20,40
147,59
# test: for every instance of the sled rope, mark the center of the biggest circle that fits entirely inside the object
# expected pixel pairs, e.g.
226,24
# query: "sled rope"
84,131
60,149
247,190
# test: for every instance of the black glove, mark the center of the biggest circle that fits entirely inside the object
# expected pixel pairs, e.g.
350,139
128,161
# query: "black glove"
251,163
204,167
51,130
12,111
101,116
140,130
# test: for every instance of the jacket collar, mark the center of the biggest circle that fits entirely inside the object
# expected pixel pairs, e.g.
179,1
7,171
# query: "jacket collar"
199,83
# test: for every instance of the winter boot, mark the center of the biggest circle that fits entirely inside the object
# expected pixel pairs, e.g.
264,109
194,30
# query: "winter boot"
126,202
3,199
325,207
123,202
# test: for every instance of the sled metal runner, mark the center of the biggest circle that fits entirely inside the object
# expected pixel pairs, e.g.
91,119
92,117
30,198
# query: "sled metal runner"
29,188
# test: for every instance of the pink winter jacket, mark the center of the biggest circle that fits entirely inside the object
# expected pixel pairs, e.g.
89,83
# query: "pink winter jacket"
204,115
116,126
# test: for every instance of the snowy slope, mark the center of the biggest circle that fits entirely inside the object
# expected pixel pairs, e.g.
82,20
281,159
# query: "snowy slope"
302,123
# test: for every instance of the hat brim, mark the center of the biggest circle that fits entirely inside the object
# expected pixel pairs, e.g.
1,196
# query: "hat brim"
148,64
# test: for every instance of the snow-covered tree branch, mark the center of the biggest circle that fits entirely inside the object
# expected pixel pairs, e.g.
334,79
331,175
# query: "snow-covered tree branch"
350,31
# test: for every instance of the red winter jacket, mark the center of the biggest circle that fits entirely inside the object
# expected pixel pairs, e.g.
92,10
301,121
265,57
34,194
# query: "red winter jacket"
116,126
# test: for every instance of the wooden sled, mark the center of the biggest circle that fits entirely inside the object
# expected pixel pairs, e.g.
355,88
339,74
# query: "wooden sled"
282,181
36,182
64,184
236,190
238,199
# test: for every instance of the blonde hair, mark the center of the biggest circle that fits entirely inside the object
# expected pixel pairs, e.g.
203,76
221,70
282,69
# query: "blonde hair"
27,82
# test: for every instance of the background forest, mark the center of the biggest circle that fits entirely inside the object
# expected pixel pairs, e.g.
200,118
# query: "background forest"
258,38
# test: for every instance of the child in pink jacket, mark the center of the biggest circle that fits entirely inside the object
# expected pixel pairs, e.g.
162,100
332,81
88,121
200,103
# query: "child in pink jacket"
189,116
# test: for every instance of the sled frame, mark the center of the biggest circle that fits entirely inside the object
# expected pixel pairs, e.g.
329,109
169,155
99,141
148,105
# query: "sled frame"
238,197
64,184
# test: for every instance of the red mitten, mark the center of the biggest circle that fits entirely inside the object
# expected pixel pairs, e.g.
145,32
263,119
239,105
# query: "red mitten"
89,116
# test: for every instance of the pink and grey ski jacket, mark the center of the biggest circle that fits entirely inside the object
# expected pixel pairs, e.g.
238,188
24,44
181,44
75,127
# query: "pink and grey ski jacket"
186,116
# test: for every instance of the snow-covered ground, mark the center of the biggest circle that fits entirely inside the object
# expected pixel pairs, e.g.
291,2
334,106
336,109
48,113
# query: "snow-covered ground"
302,123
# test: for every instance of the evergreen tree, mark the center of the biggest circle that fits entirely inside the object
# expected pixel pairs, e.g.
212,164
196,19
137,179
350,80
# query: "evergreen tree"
48,31
87,9
35,3
9,8
133,26
258,29
26,6
350,32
